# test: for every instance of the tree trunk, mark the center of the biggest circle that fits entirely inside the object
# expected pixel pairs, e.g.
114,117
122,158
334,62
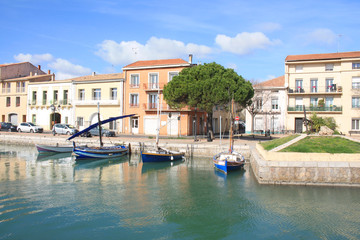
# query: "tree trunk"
252,123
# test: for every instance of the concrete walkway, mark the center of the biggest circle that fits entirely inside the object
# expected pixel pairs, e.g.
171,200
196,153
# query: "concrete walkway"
285,145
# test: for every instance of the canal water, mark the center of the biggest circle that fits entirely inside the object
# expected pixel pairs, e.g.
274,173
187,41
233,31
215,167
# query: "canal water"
53,197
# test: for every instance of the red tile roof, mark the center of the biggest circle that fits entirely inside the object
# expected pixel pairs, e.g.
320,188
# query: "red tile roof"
276,82
322,56
152,63
98,77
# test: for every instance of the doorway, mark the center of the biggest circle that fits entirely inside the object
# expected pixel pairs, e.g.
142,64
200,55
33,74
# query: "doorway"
298,125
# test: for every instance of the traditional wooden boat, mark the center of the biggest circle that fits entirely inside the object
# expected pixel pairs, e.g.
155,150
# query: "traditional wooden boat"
100,152
54,148
231,160
158,154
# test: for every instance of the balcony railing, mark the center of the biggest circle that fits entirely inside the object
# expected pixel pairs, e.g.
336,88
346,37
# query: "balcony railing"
153,86
299,108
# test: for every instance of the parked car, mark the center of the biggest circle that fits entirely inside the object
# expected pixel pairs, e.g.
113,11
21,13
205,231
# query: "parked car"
29,127
7,126
105,132
67,129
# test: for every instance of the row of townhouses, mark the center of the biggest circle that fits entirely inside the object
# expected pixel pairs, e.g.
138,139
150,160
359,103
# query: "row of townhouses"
325,84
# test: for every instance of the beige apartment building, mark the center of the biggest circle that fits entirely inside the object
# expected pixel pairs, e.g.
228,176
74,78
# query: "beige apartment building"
325,84
103,89
14,79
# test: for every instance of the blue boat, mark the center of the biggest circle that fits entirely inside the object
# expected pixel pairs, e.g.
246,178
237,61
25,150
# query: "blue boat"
161,155
101,152
231,160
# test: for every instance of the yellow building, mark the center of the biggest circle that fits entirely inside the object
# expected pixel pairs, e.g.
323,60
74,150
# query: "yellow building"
325,84
103,89
14,95
144,84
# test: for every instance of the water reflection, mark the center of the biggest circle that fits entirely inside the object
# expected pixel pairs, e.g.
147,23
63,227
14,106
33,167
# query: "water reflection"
179,200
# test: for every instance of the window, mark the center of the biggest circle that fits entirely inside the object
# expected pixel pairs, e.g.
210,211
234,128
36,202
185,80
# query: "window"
80,121
299,85
172,75
65,97
258,104
44,97
329,102
153,81
153,100
356,83
55,97
18,88
113,93
356,65
356,102
314,85
274,104
81,94
8,101
298,104
314,102
329,84
33,102
355,124
298,68
8,87
33,118
97,94
22,86
134,100
3,87
134,80
112,125
329,67
18,101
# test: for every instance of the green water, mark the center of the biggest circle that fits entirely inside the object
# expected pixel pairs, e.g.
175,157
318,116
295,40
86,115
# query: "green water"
53,197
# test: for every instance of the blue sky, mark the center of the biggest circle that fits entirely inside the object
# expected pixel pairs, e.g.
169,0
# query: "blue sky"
77,37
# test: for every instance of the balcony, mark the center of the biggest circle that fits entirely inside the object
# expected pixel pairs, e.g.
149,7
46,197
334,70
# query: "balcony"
153,86
299,108
331,90
163,107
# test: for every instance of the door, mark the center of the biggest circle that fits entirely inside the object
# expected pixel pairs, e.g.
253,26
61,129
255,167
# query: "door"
134,125
172,125
298,125
13,118
150,125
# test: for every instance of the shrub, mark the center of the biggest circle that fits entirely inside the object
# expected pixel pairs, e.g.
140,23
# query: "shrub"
319,121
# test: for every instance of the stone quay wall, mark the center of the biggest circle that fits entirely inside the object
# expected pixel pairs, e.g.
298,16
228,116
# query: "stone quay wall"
305,168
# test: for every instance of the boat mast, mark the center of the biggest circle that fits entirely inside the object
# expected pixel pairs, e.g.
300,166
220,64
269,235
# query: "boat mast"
231,126
99,122
158,117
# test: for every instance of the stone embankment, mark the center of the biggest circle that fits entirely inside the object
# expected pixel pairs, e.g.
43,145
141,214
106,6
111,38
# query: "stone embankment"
272,167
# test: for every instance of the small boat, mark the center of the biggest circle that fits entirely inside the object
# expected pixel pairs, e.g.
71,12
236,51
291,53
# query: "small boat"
159,154
230,160
54,148
100,152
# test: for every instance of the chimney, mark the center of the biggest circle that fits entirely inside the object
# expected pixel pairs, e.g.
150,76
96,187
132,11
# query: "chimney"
93,74
31,74
49,72
190,58
39,67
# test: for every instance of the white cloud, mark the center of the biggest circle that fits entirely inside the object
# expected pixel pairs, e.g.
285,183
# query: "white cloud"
321,36
232,66
65,69
126,52
34,59
244,43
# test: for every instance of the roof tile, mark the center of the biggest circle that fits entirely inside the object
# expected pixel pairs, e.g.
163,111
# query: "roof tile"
322,56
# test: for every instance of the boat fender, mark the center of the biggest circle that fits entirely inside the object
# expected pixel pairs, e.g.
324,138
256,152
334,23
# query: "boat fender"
172,157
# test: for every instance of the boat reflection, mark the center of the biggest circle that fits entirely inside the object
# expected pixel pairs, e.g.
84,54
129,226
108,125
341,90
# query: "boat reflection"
91,163
155,166
53,156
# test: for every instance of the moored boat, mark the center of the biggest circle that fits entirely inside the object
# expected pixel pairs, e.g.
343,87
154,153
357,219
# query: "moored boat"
161,155
54,148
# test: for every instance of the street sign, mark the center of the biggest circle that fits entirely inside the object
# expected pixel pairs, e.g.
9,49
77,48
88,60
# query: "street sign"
237,118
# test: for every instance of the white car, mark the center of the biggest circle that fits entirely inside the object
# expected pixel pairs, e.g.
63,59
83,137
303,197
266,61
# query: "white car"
64,129
29,127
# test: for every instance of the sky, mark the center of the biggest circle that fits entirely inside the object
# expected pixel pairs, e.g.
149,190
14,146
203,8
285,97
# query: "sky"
77,37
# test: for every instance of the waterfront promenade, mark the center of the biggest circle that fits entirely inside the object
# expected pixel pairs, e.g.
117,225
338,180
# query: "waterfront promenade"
269,167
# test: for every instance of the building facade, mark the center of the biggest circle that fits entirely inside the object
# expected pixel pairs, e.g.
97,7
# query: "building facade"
325,84
268,110
143,96
14,100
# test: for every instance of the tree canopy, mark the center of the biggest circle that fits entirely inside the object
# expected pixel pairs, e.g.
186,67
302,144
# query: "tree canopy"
208,85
